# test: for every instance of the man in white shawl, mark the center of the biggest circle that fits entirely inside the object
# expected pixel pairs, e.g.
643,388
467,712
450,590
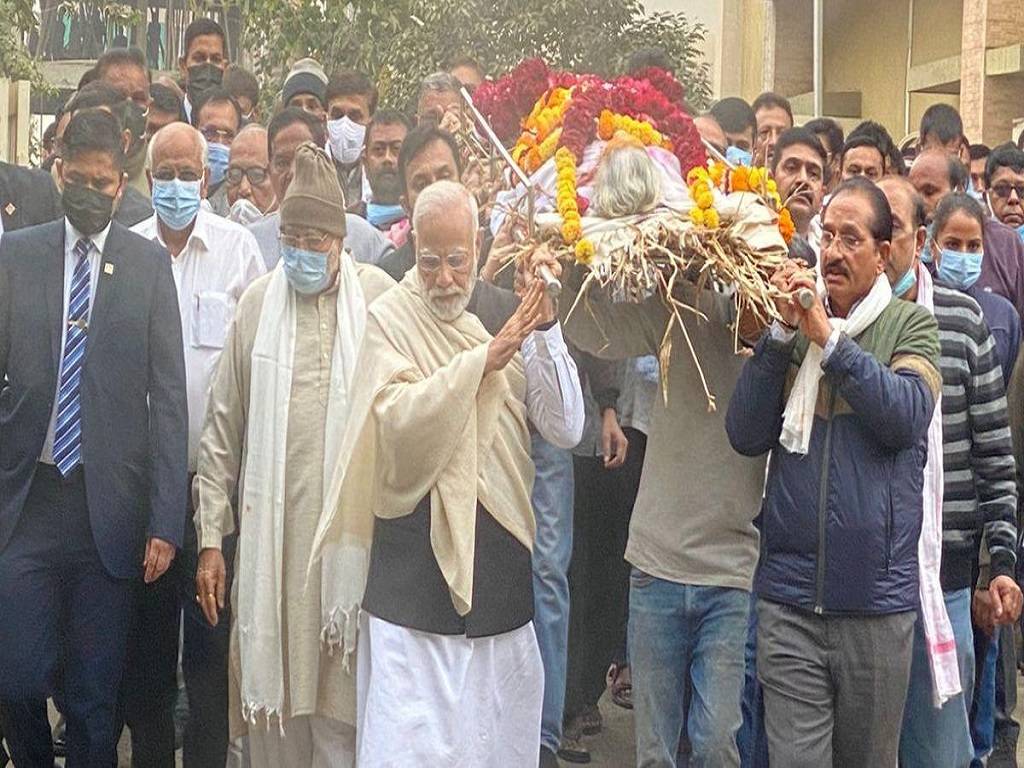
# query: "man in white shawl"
277,412
449,671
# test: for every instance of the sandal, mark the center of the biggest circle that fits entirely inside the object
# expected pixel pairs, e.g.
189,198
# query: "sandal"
621,690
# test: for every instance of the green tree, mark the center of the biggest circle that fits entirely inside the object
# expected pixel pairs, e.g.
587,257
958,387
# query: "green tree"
15,61
400,41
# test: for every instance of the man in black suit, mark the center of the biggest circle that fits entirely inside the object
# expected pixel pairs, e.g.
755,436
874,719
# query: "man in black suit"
93,461
27,197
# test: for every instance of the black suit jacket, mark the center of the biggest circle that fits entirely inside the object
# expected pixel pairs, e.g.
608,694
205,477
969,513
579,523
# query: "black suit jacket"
134,412
27,197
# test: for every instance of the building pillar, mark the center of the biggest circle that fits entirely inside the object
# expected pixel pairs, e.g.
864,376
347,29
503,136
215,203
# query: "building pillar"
989,104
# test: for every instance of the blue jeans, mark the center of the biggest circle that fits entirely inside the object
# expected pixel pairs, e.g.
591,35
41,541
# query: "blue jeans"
552,550
752,738
983,712
680,631
931,737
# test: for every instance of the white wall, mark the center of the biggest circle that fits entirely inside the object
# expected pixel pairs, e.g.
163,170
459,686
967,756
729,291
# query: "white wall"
709,13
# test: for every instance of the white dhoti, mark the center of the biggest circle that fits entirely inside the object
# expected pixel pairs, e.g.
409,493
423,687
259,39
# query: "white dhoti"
308,741
447,701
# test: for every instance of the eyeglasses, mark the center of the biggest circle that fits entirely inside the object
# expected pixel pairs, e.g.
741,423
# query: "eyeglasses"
457,261
170,174
305,242
846,243
217,135
1003,190
256,175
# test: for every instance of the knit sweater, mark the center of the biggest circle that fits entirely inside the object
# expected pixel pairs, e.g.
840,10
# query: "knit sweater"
980,493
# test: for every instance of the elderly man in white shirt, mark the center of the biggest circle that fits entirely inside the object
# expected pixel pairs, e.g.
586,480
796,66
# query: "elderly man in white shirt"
213,261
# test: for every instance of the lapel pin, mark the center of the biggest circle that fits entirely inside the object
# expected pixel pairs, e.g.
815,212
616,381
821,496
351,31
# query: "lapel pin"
108,268
9,209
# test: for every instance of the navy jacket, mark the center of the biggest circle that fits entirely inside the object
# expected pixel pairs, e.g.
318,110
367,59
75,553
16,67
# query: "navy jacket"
134,412
839,526
27,197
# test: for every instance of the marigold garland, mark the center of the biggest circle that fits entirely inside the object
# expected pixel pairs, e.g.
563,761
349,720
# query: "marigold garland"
702,181
608,123
584,251
565,195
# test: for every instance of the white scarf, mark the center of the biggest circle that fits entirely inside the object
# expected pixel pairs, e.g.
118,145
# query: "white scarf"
798,418
260,561
937,630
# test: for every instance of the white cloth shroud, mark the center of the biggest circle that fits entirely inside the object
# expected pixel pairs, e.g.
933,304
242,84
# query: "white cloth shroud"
263,487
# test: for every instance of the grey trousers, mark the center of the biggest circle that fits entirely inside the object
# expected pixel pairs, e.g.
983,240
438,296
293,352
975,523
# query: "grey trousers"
834,686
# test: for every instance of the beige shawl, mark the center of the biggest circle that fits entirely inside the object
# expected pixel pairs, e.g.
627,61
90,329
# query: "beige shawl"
432,424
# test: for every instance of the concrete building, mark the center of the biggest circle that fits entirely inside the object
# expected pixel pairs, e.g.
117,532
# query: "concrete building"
884,59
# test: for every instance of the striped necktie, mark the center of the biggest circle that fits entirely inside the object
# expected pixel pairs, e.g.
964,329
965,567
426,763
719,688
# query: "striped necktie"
67,435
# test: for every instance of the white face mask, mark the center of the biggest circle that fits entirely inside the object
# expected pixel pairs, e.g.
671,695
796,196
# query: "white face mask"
244,212
346,139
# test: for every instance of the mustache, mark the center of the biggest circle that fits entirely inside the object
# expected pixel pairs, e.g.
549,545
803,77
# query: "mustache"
835,267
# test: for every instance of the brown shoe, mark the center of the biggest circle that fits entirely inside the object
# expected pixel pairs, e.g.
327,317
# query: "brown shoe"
573,750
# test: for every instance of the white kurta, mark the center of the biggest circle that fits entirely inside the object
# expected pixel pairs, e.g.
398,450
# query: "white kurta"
447,701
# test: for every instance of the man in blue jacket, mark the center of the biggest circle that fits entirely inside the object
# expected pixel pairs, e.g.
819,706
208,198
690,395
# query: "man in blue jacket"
842,394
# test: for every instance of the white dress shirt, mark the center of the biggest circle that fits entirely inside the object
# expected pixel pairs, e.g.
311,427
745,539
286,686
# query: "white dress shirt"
95,256
554,399
219,260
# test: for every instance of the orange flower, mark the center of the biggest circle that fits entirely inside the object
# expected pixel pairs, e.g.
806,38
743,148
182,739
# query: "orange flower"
739,179
786,226
606,125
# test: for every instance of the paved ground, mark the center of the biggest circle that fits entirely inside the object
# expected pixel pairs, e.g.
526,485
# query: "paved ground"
613,748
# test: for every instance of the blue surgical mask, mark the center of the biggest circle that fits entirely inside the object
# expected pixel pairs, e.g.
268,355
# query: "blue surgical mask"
306,270
176,202
384,215
1020,231
217,161
959,268
738,156
926,252
905,283
977,195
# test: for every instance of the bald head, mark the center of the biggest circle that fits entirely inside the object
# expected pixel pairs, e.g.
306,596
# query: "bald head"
248,173
177,140
178,151
709,130
935,174
908,217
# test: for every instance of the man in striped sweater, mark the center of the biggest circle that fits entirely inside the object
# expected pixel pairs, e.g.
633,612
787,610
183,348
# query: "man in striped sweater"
979,493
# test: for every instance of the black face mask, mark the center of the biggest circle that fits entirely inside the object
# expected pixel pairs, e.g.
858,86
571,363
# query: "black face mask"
135,121
88,210
201,78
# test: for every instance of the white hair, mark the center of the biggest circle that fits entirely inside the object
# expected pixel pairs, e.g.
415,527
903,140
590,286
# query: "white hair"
627,183
442,198
204,149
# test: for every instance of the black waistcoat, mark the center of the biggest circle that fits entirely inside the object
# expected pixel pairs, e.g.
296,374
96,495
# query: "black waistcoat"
405,585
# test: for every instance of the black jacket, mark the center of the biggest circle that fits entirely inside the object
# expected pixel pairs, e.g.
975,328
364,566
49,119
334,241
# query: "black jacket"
27,197
134,412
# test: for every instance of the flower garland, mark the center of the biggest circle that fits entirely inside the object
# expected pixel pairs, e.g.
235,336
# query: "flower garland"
565,195
702,181
609,123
